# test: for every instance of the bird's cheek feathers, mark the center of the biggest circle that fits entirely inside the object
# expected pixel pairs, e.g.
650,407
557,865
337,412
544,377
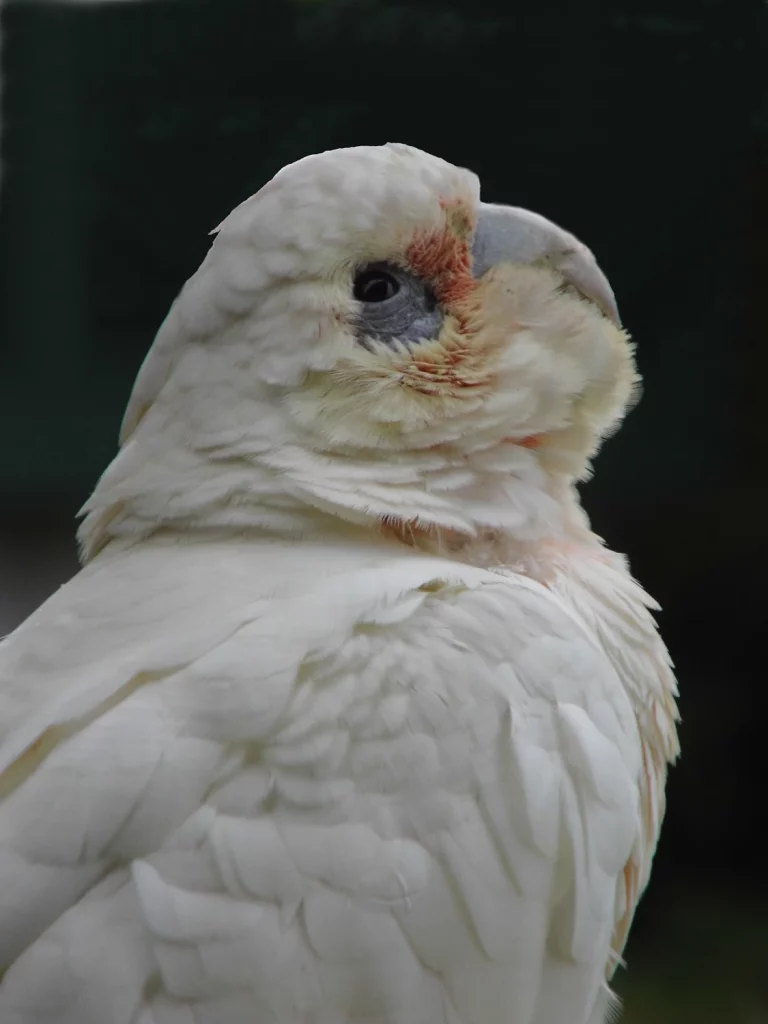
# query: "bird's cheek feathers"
387,395
512,341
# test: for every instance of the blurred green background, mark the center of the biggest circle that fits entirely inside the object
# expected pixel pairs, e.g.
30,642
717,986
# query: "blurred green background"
131,129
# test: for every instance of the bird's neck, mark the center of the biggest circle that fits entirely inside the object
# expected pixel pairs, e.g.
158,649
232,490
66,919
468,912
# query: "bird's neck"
490,507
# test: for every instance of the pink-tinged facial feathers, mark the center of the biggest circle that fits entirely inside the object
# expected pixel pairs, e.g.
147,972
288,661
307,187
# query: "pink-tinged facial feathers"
260,374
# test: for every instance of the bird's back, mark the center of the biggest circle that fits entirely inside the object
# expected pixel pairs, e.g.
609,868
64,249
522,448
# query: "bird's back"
324,784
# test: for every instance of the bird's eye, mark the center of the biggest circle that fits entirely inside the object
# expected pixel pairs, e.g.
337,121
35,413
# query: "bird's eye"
375,285
395,306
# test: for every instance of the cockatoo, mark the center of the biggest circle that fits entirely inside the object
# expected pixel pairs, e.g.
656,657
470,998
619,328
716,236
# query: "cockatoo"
349,718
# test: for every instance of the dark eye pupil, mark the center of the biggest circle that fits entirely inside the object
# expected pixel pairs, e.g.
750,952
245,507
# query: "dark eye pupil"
375,286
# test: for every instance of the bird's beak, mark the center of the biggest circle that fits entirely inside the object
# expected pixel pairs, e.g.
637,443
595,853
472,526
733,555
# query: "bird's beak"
508,234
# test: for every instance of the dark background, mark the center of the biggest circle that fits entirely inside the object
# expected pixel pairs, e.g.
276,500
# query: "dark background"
131,129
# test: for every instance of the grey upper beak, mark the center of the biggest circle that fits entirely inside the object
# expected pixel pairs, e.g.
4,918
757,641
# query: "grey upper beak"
512,235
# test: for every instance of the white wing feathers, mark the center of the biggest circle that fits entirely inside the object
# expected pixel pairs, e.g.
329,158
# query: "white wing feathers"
617,611
407,793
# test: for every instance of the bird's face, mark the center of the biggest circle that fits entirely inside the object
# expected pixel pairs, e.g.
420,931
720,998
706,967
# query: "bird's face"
389,307
366,306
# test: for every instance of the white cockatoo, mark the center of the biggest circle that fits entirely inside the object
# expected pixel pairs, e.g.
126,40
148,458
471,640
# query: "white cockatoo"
349,718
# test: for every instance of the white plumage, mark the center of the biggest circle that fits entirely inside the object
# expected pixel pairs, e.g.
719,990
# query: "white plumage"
348,717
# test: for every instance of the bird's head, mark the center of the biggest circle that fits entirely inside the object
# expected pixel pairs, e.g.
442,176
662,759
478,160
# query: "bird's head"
366,340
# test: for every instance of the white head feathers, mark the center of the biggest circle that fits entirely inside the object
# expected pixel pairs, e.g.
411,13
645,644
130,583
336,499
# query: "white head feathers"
338,355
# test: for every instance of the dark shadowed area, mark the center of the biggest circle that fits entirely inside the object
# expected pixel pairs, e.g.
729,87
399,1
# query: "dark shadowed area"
131,129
